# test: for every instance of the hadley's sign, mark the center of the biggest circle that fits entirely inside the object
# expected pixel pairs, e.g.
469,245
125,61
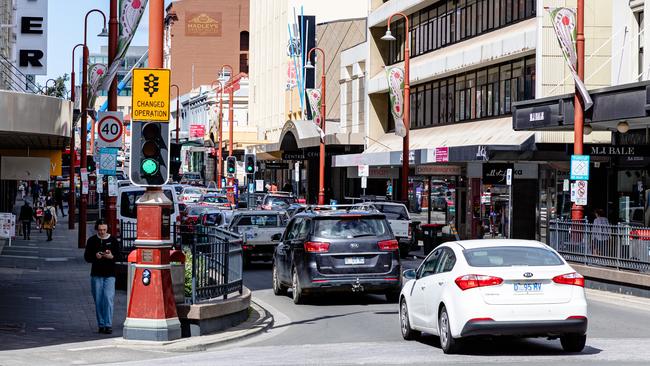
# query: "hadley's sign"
203,24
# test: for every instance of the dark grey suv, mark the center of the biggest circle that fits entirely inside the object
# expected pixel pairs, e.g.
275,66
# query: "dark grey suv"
337,250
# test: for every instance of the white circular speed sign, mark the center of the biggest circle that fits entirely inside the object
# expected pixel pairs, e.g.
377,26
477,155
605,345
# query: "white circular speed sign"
109,129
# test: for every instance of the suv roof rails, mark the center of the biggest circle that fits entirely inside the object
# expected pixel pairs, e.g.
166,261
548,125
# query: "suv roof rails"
347,207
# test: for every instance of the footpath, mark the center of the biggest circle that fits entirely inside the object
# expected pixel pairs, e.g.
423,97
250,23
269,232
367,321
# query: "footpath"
47,314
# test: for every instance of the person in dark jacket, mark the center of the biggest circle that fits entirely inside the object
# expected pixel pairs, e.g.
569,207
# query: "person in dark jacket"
103,252
58,197
26,217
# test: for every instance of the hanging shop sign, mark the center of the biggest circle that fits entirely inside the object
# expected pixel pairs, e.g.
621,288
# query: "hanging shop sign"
495,173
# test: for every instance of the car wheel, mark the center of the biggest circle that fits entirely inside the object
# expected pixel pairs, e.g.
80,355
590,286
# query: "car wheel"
392,296
573,342
448,343
298,296
405,324
278,289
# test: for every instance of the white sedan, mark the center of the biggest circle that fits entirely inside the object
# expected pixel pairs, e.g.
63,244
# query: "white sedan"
493,288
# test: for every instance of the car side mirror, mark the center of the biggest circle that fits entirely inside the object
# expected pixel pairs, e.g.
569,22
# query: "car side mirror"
416,223
276,237
409,274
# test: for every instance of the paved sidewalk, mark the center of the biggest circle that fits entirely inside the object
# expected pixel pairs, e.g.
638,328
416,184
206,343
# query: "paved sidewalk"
45,289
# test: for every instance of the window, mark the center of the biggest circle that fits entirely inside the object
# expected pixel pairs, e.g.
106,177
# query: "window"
446,262
511,256
243,41
348,228
451,21
428,267
243,62
293,229
259,220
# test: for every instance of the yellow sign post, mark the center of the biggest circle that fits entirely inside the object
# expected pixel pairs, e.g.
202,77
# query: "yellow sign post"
150,101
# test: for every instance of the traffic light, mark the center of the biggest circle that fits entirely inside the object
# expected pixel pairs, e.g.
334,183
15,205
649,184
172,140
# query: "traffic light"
149,153
250,163
231,165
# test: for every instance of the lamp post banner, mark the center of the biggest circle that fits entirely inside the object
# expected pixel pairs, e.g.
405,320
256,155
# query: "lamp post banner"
129,18
564,23
314,96
395,76
95,74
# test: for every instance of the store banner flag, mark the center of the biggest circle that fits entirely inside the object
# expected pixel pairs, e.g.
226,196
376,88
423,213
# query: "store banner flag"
564,23
95,74
130,13
314,97
395,76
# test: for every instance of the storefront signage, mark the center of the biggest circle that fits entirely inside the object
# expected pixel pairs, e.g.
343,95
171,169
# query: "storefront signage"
495,173
437,170
203,24
438,155
197,130
31,36
375,172
481,153
293,156
276,166
579,167
609,150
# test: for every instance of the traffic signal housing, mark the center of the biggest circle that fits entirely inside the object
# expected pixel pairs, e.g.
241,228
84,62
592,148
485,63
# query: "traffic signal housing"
249,165
231,165
149,153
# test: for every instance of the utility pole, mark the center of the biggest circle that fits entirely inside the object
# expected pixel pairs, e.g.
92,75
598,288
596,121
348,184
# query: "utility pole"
111,202
577,211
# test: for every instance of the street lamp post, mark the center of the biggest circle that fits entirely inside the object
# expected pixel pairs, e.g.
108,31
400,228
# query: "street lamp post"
178,111
46,92
407,108
83,164
321,161
577,211
113,37
219,167
230,108
71,194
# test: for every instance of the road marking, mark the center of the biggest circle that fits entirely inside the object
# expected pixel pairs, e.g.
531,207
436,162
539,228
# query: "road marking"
56,259
88,348
18,256
45,328
35,298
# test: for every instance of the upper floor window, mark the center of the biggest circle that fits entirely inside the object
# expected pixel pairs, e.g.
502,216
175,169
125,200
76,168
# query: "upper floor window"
243,41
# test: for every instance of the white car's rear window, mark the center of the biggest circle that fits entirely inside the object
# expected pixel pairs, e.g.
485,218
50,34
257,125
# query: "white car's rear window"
511,256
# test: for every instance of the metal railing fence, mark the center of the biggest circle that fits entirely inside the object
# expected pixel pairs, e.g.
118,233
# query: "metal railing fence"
617,246
14,79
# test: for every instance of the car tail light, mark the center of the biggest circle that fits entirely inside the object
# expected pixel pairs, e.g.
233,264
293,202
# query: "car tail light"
316,247
410,231
473,280
572,278
577,317
247,247
388,245
481,320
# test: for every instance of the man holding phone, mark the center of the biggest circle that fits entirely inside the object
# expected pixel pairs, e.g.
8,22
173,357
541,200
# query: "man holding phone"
103,252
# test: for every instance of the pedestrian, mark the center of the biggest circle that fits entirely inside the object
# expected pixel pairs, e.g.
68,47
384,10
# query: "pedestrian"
36,191
26,217
49,219
58,197
21,188
103,252
601,234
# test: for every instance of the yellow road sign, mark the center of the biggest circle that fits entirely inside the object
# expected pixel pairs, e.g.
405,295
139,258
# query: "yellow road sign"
150,101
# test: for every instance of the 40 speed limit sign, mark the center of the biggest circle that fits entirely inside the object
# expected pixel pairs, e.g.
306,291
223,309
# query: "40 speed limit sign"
109,129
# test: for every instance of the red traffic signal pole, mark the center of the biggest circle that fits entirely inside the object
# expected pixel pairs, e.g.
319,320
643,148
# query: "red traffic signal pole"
217,167
321,158
111,202
151,313
577,211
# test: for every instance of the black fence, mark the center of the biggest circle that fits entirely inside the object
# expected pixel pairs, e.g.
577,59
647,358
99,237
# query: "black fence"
213,257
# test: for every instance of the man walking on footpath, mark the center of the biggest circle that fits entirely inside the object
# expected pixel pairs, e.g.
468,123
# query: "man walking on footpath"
103,252
58,197
49,219
26,217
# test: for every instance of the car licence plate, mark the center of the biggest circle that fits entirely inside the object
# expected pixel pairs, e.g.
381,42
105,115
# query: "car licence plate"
526,287
354,260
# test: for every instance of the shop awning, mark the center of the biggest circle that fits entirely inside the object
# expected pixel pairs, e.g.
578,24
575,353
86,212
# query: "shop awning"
302,134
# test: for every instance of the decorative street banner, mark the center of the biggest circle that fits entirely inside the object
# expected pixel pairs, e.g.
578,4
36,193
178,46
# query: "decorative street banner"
95,74
395,76
564,23
314,97
130,12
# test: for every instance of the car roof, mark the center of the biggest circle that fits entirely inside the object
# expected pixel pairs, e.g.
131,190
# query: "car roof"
485,243
385,203
258,212
337,213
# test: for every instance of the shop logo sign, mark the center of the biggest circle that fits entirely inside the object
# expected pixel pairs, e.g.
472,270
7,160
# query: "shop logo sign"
203,25
481,153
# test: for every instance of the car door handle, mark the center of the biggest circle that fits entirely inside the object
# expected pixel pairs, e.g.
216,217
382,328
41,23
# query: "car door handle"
422,287
441,283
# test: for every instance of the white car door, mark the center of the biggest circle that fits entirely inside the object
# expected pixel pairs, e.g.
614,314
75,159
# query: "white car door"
437,282
419,299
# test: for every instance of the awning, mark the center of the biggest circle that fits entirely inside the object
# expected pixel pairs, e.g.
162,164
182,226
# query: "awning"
303,134
451,143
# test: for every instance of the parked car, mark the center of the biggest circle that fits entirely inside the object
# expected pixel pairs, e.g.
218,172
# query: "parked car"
275,201
337,250
215,200
400,222
191,194
190,221
129,195
494,287
260,231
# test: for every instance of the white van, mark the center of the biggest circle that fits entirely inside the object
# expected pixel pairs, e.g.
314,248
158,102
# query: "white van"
129,195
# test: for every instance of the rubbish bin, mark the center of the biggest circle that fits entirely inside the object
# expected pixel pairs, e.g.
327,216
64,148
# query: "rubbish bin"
431,234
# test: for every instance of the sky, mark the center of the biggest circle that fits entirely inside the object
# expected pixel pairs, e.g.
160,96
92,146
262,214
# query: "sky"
66,28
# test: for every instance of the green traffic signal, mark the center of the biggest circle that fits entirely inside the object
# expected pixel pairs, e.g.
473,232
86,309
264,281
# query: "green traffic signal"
149,166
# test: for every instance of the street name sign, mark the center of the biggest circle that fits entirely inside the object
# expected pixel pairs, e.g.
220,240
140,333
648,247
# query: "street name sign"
110,129
150,101
579,167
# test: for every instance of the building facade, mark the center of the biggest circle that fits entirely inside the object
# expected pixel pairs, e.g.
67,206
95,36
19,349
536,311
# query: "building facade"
202,35
7,39
470,62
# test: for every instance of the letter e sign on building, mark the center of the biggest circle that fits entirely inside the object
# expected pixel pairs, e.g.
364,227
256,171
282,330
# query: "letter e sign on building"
31,36
150,100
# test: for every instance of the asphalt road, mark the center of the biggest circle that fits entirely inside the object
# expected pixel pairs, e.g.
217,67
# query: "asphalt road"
364,329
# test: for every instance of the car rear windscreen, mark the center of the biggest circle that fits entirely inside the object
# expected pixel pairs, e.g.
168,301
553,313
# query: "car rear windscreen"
511,256
393,212
259,220
215,199
348,228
